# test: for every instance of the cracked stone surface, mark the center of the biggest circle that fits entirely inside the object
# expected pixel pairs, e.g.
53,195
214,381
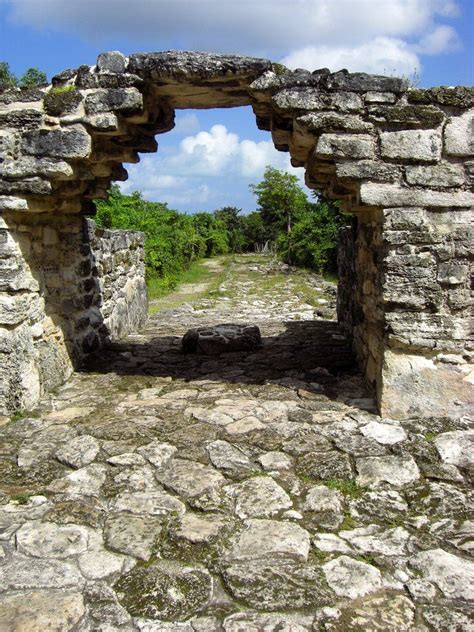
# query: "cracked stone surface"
255,490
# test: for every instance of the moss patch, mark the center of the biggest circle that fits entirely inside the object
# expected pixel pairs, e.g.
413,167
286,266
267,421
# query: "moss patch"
163,590
62,100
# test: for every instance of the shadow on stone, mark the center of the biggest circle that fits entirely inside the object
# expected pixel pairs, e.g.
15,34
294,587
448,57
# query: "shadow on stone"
317,352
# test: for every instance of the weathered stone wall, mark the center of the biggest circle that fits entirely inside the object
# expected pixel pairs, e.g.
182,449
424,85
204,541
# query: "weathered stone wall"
65,289
119,260
360,309
400,159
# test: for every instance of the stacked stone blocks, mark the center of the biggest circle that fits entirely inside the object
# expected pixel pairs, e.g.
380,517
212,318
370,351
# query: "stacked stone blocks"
399,159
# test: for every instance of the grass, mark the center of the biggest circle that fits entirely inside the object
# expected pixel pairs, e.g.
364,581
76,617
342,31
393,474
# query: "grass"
348,523
166,293
23,414
22,498
345,486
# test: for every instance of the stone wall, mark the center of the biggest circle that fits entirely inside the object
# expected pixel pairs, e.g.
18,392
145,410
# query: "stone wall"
65,289
400,159
119,260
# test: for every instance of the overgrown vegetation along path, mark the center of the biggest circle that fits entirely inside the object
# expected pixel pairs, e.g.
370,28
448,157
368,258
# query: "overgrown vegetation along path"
251,491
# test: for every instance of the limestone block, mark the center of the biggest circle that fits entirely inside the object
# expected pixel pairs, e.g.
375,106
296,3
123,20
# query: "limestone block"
27,166
363,82
27,186
20,385
442,175
270,538
423,331
459,135
106,123
331,121
113,61
124,100
8,203
453,575
380,97
416,386
14,309
61,103
389,195
367,170
40,610
354,146
352,578
69,142
423,145
453,273
300,99
23,118
345,101
407,116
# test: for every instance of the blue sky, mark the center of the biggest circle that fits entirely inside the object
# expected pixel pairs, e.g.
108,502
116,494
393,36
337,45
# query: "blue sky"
212,156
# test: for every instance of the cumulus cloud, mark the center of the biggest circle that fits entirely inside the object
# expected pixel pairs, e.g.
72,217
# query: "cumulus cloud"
383,55
204,166
219,152
441,39
187,123
269,27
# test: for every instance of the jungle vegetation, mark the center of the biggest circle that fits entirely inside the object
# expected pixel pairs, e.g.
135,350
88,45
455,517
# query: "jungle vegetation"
300,232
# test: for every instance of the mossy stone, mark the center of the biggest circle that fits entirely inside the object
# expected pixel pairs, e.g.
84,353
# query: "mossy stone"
145,591
60,101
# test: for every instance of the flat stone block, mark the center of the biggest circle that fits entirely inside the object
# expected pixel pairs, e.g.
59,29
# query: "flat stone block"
355,146
417,144
68,142
442,175
459,135
222,338
389,195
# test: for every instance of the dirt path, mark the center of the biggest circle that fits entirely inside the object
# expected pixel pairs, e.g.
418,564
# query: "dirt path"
252,491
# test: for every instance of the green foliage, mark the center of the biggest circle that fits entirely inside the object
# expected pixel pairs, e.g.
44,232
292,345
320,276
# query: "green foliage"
280,69
315,236
173,241
345,486
30,78
62,90
305,233
233,224
7,78
33,77
255,231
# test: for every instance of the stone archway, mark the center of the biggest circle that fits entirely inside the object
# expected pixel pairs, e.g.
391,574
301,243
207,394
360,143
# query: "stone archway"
398,158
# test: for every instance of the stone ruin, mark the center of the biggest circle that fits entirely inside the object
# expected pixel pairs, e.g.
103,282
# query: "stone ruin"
400,159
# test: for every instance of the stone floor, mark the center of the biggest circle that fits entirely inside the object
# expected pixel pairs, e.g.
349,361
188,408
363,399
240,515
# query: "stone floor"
248,492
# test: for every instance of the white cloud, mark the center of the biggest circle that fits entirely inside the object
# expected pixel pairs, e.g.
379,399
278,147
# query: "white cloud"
270,27
218,152
206,167
383,55
186,123
441,39
377,36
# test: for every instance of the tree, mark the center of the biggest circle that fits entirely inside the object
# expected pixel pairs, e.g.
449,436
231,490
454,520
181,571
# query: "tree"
281,201
316,235
255,231
7,78
33,77
233,224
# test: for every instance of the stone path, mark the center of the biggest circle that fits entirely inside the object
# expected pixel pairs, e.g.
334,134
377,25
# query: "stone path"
244,493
